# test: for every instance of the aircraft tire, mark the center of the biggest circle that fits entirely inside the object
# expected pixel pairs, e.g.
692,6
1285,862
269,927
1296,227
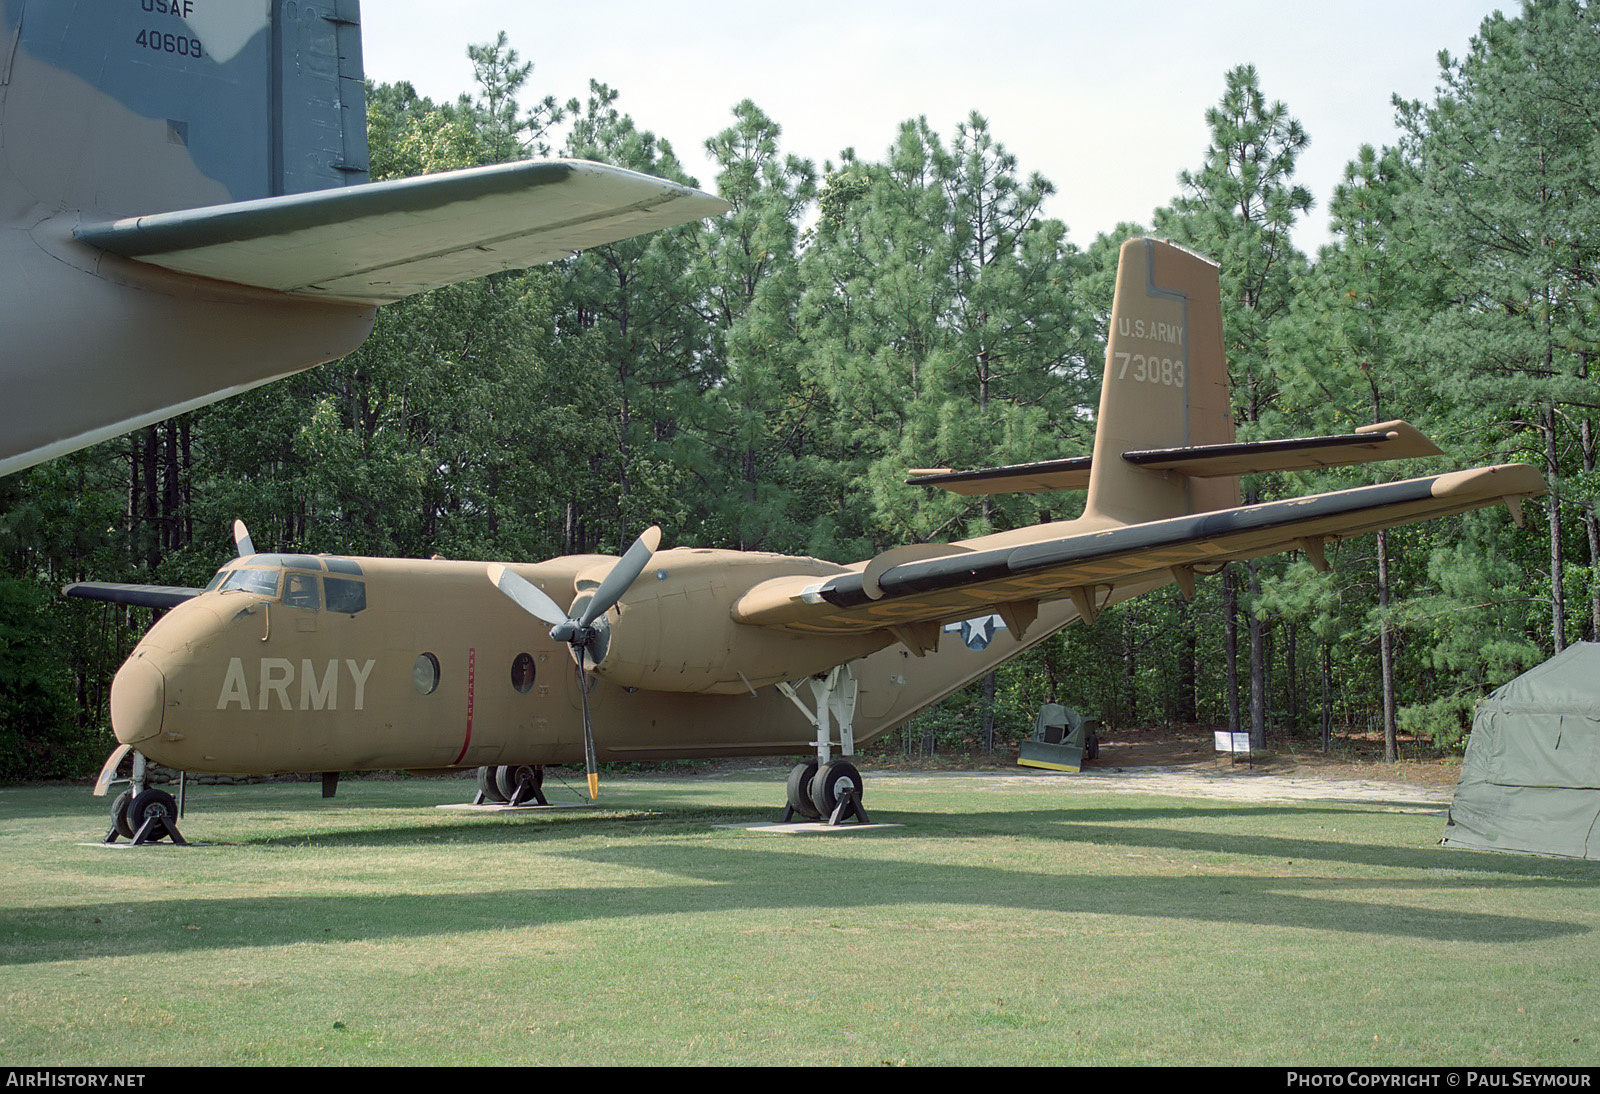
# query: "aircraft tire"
509,778
489,785
800,790
152,803
119,814
831,784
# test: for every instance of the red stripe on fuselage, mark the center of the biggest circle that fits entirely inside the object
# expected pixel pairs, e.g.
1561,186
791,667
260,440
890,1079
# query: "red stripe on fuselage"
472,672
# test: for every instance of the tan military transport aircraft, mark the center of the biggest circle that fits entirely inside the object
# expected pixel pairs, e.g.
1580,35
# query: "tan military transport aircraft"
185,212
322,663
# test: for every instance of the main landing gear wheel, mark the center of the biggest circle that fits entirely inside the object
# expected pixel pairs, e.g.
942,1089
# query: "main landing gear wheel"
520,783
835,782
800,790
489,786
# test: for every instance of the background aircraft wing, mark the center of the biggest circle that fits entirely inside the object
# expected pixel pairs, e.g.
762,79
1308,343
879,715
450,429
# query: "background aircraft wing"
379,242
143,596
1087,565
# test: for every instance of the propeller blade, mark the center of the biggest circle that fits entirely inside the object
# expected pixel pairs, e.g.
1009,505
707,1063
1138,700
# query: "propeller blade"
241,537
588,736
528,596
622,576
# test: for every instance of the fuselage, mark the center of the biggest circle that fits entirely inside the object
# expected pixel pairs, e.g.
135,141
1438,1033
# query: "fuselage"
318,663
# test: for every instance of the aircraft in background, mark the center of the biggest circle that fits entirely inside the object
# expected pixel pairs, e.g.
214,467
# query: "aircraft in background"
185,212
290,663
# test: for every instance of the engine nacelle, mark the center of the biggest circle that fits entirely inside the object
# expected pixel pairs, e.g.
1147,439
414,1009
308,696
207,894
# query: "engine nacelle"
674,631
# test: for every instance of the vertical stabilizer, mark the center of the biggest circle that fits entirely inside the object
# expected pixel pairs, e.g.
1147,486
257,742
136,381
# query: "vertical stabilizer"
148,106
1165,385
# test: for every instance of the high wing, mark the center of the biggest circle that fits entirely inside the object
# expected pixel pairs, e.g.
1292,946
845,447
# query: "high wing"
1163,488
383,241
1088,566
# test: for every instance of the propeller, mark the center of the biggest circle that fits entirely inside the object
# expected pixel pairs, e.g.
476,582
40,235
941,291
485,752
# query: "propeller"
242,540
585,632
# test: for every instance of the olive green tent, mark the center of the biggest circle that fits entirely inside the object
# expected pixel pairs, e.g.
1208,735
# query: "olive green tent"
1531,778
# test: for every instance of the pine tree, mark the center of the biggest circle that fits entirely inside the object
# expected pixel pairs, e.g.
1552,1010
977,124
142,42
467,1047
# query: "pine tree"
1238,209
1509,218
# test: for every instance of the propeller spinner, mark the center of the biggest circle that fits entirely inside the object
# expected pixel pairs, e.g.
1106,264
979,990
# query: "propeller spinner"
585,632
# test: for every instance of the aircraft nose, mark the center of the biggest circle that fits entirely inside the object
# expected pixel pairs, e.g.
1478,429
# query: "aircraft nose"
138,700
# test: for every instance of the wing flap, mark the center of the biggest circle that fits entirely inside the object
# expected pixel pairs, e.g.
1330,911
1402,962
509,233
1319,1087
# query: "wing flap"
955,587
379,242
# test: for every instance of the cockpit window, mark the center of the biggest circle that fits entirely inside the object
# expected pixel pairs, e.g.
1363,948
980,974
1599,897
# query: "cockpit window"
299,562
345,596
216,579
300,591
343,565
253,580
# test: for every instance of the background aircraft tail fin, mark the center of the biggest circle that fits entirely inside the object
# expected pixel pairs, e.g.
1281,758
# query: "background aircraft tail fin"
137,108
1165,385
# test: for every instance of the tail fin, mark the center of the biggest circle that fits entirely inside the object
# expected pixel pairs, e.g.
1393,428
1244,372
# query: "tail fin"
145,107
1165,385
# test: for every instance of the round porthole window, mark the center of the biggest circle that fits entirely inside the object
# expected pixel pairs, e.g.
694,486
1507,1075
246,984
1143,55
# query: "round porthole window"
425,673
522,673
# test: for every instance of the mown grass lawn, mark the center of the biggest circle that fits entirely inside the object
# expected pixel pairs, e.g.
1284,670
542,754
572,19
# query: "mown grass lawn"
1011,920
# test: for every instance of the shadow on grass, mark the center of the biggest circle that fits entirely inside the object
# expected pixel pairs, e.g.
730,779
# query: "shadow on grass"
1142,828
694,881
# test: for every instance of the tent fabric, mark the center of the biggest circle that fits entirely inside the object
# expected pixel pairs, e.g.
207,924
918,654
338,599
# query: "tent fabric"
1530,781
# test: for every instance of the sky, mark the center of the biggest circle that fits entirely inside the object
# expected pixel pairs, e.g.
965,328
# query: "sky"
1106,100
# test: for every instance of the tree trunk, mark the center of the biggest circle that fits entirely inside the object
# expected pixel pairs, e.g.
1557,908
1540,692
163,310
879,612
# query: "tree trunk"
1558,608
988,712
1230,643
1391,751
1258,663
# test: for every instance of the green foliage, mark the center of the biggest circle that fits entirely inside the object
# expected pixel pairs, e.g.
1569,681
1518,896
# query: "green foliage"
765,380
944,328
37,736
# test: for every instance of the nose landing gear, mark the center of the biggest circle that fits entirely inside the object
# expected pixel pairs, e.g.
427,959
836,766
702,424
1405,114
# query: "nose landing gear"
146,817
139,814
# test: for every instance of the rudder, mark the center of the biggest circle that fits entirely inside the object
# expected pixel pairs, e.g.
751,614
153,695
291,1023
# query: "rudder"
1165,385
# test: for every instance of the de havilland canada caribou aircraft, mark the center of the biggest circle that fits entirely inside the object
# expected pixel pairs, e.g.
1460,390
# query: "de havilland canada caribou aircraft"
185,212
297,663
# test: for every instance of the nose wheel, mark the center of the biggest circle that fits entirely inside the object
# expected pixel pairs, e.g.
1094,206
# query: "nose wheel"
147,817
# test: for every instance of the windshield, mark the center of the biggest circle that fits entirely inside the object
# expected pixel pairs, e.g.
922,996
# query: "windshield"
312,592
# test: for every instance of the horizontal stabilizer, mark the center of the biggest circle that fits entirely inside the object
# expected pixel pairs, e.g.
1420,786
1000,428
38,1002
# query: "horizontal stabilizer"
1021,478
1057,566
1368,444
140,596
382,241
